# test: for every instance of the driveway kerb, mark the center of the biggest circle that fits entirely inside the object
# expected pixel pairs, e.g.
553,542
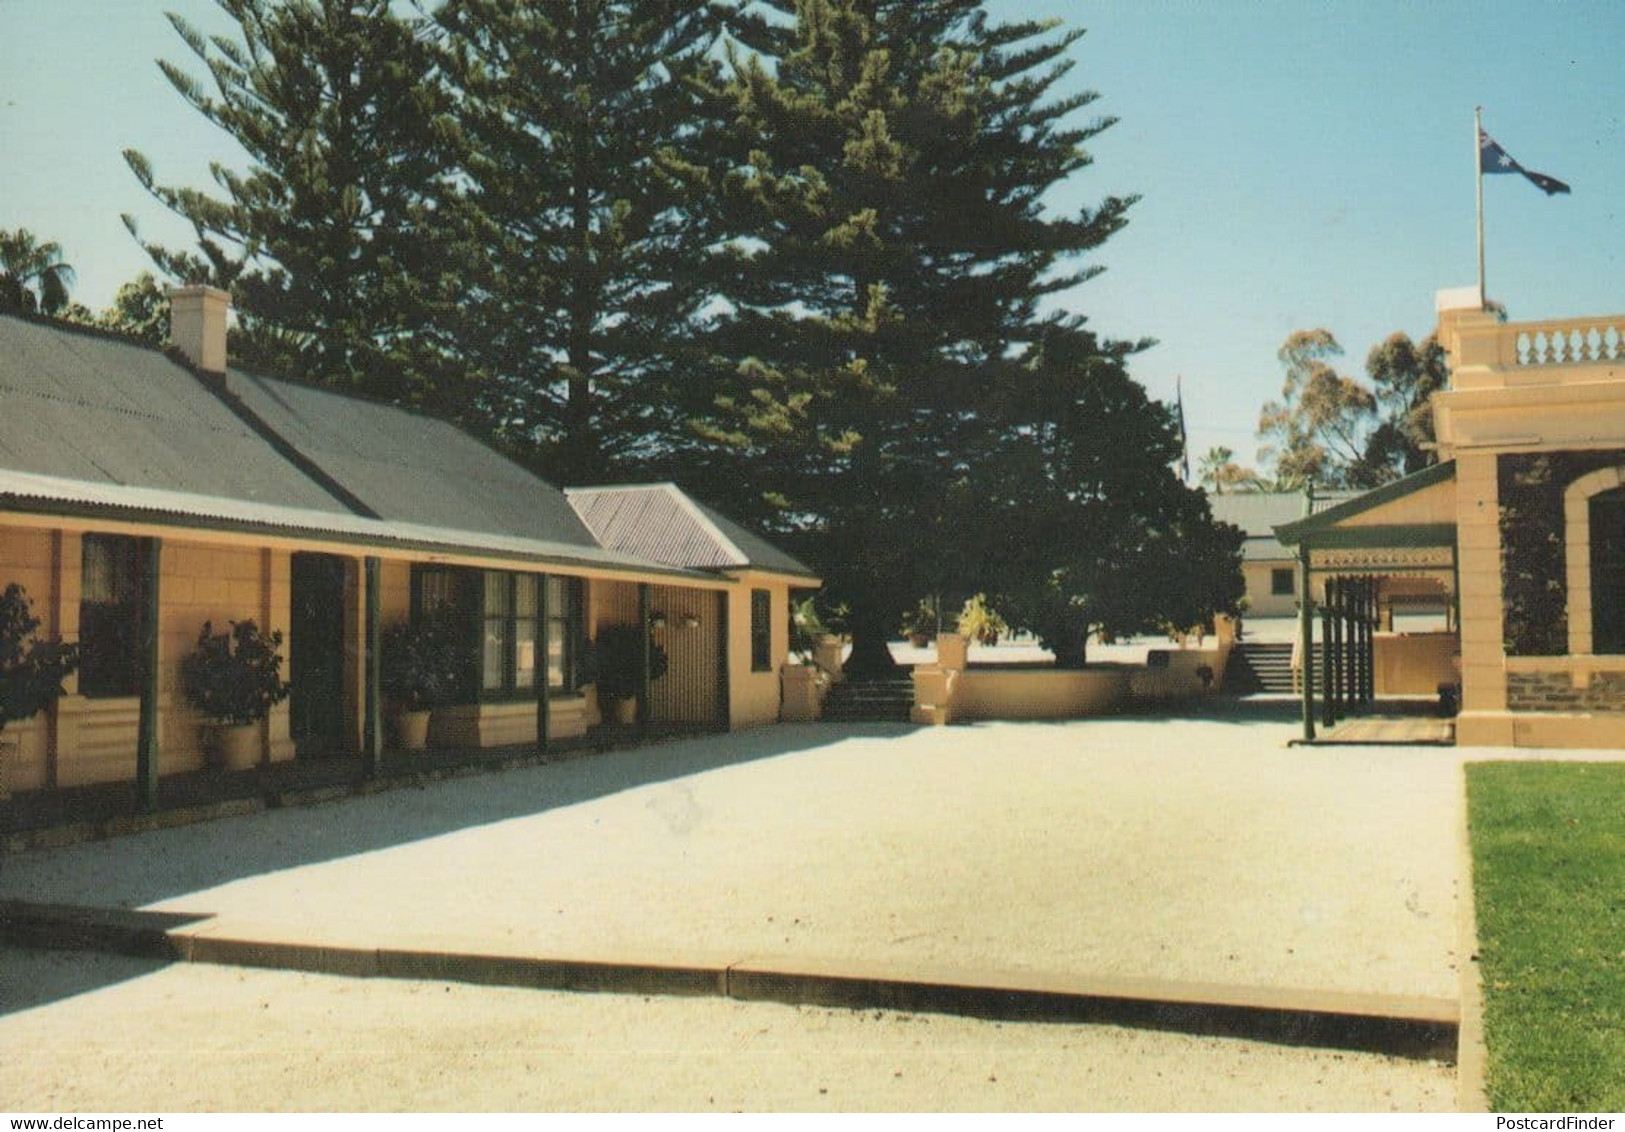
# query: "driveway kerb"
1399,1026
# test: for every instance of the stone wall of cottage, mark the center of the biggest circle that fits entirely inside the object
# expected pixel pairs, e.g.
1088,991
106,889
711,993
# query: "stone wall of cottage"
1562,692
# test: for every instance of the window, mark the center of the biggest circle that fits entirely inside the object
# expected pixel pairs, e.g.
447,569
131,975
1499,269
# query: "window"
110,616
497,611
761,631
563,627
501,614
1608,571
508,648
448,595
1281,584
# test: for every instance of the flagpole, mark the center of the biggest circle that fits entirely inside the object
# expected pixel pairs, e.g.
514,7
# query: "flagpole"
1478,168
1184,438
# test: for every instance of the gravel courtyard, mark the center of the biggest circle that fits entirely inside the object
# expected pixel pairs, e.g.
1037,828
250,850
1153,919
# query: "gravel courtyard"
1192,849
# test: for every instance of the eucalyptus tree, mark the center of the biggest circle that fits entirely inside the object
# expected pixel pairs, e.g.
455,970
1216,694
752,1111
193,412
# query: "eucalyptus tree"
1332,429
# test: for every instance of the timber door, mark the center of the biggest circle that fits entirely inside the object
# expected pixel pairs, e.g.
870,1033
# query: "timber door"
316,655
693,692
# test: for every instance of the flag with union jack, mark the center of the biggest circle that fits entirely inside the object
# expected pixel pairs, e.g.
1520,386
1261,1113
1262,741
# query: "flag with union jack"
1493,159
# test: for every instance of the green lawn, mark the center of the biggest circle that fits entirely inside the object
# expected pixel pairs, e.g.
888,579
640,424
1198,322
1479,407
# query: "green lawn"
1549,881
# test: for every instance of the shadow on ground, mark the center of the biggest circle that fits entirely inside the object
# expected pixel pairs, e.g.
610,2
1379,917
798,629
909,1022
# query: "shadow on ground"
1250,711
160,865
30,978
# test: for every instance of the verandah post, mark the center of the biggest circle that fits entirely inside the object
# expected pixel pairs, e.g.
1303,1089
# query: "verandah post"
724,695
372,736
645,614
1306,643
146,743
544,663
1328,707
1339,665
1368,622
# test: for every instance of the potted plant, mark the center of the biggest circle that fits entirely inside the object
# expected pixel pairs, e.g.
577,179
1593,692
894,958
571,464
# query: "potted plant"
920,624
619,652
806,627
31,670
980,623
418,674
235,679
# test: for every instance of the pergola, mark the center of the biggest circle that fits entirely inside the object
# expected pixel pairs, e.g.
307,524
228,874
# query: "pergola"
1396,540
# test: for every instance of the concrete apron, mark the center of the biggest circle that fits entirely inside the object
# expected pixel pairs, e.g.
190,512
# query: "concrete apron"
1399,1026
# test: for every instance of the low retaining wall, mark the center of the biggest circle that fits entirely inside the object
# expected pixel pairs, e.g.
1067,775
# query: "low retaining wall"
1037,693
944,694
1415,664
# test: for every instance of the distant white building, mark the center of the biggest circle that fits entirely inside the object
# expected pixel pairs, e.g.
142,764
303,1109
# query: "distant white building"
1271,570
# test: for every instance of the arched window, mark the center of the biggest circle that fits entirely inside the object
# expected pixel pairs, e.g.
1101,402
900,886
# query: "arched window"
1608,571
1594,518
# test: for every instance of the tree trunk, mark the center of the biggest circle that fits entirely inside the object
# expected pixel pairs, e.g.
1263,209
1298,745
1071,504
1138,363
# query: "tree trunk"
870,655
583,460
1071,655
1070,646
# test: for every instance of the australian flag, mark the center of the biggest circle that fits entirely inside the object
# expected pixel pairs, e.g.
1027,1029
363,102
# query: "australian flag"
1493,159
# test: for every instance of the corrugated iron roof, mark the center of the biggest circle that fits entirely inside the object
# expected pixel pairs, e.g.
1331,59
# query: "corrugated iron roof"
661,522
408,466
86,406
91,421
757,550
1258,513
56,495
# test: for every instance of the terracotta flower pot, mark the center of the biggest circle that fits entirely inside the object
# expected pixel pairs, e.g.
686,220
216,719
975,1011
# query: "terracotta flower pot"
411,729
234,748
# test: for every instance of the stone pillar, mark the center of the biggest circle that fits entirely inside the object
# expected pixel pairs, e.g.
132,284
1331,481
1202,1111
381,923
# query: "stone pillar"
953,651
799,699
827,655
1483,719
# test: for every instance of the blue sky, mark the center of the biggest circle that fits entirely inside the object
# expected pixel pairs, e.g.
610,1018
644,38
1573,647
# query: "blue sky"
1301,165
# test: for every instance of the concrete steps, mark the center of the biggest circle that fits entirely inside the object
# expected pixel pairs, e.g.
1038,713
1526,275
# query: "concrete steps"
890,700
1259,669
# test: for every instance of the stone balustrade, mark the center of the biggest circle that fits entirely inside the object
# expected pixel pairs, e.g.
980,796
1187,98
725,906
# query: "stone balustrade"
1568,341
1488,353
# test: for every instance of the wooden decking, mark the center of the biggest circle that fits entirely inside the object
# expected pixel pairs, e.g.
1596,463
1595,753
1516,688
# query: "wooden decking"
1406,731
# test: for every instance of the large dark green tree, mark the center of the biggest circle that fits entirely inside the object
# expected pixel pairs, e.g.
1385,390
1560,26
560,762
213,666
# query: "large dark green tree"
889,249
575,112
337,239
1093,533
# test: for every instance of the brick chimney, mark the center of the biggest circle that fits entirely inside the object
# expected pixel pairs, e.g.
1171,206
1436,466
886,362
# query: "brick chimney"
197,325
